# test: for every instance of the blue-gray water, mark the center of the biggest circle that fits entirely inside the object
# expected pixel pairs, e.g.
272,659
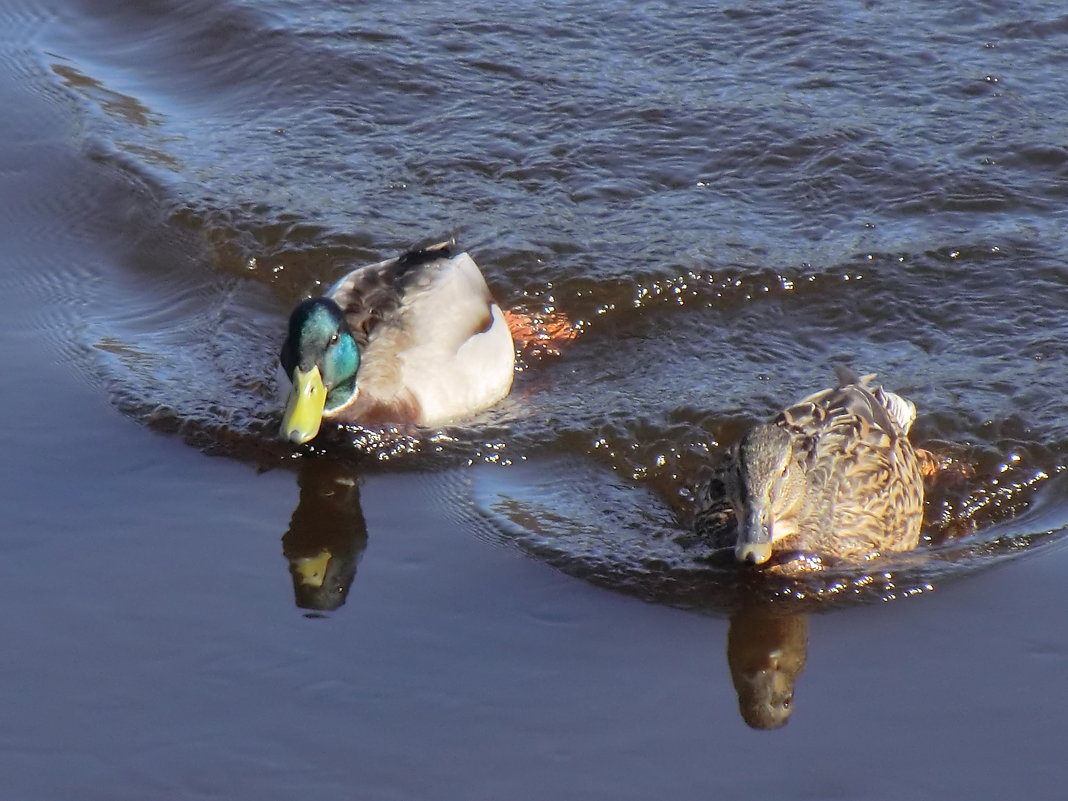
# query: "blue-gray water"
726,199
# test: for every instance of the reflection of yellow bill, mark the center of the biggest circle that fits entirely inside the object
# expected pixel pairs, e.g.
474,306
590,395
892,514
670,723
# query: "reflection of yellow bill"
304,410
312,569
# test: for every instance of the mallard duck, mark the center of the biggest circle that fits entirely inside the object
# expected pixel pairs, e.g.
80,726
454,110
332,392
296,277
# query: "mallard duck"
327,534
416,339
766,652
833,475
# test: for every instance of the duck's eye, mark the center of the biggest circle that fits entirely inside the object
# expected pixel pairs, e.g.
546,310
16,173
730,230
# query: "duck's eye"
334,338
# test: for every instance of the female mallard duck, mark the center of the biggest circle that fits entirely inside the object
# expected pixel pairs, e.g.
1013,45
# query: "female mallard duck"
416,339
834,475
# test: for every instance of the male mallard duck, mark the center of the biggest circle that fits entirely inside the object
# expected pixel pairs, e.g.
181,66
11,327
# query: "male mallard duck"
834,475
416,339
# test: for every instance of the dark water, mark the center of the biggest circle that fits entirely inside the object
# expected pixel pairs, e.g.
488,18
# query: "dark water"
726,200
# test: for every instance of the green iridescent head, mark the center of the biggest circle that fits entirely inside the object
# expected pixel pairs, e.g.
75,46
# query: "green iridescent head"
321,358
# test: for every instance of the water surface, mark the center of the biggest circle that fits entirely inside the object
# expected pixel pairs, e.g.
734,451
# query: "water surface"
726,201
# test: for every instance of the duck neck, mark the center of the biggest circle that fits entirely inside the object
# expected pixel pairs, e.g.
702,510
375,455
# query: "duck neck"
341,393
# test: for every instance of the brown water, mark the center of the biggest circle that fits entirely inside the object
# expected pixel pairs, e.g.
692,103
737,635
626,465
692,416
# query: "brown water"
728,200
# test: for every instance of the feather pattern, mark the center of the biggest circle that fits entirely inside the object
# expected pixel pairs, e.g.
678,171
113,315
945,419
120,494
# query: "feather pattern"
837,476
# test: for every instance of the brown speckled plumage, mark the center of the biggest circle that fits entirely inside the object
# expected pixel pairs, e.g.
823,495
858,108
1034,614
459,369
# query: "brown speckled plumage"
834,474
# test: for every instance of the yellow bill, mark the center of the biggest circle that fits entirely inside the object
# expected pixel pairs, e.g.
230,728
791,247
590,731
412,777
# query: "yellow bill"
312,569
304,410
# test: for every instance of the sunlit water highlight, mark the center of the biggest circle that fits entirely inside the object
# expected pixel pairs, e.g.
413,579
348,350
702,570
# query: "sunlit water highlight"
722,221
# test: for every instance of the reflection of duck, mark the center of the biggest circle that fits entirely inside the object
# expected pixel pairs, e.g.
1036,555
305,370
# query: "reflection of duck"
766,652
415,339
326,536
834,474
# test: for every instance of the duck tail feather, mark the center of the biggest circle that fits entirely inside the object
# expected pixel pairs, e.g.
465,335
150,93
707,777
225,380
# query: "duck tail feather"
417,257
847,376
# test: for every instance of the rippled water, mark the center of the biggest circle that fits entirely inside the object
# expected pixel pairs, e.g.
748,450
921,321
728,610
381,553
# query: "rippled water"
725,200
725,203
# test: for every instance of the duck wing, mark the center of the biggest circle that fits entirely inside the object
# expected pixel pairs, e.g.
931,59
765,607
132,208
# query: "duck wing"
429,294
863,491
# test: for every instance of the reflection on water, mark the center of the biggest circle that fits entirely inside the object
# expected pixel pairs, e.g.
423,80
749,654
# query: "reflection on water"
766,651
767,643
125,107
327,534
767,639
717,244
619,534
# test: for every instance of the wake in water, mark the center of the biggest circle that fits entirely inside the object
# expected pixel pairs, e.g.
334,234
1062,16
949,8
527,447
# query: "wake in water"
701,288
591,462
